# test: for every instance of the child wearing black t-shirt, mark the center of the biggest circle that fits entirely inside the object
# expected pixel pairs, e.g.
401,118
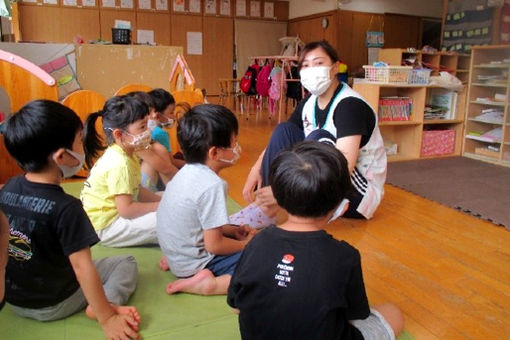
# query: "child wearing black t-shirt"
50,272
295,281
4,241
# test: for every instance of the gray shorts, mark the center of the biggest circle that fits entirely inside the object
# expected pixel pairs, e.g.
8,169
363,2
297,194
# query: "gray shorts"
375,327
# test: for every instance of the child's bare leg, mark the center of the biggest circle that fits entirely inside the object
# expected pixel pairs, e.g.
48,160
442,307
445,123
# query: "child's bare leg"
202,283
130,310
163,264
393,315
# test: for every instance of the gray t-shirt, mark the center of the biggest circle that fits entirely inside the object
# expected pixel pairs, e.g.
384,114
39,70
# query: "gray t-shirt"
194,200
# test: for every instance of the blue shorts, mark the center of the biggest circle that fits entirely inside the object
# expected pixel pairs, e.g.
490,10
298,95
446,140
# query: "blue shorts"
224,264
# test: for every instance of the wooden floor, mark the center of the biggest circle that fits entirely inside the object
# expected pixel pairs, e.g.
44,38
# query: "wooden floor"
449,272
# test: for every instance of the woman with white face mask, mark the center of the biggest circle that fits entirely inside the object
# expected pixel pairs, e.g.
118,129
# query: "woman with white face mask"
332,113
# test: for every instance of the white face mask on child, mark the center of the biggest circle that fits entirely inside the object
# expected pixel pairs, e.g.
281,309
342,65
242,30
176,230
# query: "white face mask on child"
316,79
152,123
169,123
236,150
140,141
69,171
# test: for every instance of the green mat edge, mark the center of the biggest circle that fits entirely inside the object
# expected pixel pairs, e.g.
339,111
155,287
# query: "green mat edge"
224,325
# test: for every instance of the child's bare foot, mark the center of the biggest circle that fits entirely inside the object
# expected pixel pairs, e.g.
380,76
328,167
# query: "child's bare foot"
163,264
202,283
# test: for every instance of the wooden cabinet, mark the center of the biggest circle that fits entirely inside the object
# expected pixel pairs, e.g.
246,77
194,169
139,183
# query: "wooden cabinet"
454,63
407,137
487,133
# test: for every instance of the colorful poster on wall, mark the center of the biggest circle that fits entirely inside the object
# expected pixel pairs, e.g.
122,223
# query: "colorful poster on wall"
225,7
144,4
88,3
194,6
108,3
375,39
254,8
70,2
268,9
210,6
162,5
178,5
241,8
126,4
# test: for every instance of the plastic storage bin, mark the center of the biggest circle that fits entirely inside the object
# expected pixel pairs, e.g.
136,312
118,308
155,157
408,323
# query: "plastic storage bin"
438,142
121,36
420,76
387,74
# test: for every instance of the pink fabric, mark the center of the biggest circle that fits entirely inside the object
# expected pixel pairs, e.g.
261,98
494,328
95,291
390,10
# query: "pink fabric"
252,216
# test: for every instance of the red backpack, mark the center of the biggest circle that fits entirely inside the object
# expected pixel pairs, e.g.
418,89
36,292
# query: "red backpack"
264,80
249,80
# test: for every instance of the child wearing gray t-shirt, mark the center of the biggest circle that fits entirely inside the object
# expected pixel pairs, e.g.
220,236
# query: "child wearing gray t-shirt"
198,243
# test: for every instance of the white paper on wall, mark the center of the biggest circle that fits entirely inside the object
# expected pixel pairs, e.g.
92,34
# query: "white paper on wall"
194,43
145,37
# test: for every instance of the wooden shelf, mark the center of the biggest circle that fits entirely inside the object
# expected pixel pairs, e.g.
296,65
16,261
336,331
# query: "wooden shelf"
397,122
483,63
408,135
492,66
489,85
482,139
442,121
488,103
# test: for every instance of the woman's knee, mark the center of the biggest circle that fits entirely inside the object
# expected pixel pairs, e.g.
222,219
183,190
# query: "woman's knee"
287,133
322,136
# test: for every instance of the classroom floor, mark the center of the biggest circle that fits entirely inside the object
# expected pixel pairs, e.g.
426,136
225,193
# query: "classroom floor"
446,270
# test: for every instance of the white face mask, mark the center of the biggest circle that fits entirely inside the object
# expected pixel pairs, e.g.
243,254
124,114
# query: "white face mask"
69,171
236,150
169,123
151,124
316,79
140,141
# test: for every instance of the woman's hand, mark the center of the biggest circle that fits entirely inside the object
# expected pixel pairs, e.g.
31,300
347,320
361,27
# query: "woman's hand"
253,181
264,197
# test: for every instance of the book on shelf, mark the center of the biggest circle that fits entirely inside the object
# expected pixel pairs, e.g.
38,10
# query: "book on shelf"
492,116
492,79
443,99
492,136
395,108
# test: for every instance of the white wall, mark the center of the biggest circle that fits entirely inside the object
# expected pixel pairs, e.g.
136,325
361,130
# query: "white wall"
426,8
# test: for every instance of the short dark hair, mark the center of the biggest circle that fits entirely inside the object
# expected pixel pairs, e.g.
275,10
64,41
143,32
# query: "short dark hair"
38,129
326,46
310,179
118,112
161,99
144,97
203,127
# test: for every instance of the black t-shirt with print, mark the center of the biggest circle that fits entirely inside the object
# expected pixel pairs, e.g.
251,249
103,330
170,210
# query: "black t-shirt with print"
352,116
46,226
298,285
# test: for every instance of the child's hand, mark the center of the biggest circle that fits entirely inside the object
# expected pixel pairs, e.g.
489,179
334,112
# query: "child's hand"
252,233
241,232
121,326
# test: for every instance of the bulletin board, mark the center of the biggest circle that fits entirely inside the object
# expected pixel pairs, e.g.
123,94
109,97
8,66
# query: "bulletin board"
105,68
